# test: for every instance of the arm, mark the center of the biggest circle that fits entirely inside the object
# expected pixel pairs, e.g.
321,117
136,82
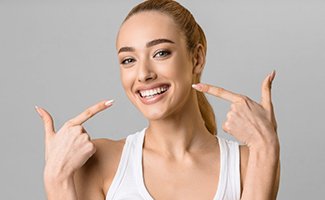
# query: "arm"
89,179
59,187
85,183
66,153
94,178
254,125
260,173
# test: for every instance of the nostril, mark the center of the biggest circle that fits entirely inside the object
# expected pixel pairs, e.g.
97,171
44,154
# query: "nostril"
148,77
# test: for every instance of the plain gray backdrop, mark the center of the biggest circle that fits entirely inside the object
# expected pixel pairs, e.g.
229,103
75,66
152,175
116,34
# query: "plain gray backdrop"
61,56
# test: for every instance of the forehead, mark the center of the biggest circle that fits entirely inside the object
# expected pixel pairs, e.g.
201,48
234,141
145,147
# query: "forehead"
147,26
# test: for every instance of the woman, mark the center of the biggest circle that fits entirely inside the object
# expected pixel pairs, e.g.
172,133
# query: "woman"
161,50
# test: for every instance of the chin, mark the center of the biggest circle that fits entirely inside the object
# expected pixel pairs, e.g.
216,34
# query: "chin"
154,113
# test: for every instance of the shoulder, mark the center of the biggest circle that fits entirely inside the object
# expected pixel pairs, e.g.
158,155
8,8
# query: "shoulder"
107,149
98,172
108,154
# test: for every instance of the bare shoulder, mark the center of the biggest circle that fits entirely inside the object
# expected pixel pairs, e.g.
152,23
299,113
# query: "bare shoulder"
108,153
244,153
95,177
108,149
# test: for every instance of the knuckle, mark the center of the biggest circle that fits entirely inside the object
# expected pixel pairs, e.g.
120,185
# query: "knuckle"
220,90
90,147
78,128
233,107
229,115
89,113
267,86
225,126
205,88
85,137
243,99
47,121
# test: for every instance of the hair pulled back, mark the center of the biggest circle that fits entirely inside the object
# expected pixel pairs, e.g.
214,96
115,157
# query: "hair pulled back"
194,35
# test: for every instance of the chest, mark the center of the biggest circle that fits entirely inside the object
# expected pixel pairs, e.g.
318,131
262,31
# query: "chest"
192,179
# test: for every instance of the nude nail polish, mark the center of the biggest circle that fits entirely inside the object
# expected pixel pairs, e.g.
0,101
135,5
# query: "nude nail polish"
109,102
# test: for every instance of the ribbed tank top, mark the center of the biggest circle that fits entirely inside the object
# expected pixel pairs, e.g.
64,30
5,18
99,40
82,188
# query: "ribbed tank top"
128,182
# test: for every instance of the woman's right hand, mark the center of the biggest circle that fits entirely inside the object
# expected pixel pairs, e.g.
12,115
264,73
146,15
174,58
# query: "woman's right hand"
68,149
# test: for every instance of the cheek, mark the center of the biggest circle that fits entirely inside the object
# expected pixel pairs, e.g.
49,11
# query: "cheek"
127,78
177,69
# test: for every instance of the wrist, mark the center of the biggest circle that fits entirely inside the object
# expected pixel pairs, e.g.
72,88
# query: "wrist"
56,176
265,145
264,154
60,189
54,184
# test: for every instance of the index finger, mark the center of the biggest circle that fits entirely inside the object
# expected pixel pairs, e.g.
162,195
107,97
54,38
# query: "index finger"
90,112
218,92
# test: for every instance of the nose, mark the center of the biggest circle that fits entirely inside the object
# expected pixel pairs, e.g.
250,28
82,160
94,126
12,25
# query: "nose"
145,72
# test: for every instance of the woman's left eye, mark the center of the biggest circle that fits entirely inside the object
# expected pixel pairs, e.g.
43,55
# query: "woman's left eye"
162,53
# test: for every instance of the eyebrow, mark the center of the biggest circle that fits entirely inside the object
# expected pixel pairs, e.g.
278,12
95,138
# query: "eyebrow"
149,44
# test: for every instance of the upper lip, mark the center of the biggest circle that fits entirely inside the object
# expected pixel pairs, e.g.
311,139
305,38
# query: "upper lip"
149,87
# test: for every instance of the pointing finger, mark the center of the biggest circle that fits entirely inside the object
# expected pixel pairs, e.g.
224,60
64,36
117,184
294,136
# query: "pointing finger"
90,112
218,92
47,120
266,99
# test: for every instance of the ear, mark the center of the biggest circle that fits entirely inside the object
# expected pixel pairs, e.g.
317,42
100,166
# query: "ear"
198,59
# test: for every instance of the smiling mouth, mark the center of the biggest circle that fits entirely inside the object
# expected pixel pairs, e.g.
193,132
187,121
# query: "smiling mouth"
153,92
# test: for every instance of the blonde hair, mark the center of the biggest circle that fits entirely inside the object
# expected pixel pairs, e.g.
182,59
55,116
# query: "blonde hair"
194,35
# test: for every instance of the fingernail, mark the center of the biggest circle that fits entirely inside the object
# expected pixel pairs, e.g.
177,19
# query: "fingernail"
38,111
197,87
272,75
109,102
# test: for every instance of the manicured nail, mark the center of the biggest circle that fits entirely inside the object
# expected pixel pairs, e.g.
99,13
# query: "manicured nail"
272,75
108,103
197,87
38,111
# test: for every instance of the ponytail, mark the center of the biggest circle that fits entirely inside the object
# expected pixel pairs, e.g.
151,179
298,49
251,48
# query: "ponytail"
204,105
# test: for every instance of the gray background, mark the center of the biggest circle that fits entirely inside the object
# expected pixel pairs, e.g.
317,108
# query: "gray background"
61,56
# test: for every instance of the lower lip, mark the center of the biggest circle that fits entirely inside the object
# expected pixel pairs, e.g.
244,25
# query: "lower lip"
153,99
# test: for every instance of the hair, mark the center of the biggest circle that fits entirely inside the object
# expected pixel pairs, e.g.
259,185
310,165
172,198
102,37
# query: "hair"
194,35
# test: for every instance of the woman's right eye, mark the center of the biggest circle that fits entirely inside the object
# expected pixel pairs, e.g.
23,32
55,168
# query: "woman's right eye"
127,61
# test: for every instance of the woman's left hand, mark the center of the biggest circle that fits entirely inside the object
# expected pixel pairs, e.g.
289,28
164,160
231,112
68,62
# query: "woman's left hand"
252,123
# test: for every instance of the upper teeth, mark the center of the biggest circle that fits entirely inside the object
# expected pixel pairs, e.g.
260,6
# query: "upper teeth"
152,92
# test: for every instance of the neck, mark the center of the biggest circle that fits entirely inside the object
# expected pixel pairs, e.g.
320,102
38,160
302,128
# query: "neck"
180,133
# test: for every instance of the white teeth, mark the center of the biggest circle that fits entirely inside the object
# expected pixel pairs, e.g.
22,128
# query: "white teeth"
153,92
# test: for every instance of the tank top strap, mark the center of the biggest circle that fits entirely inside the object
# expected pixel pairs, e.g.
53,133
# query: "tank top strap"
128,181
229,188
127,167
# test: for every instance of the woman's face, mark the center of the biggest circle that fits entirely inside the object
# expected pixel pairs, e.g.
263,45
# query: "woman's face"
155,66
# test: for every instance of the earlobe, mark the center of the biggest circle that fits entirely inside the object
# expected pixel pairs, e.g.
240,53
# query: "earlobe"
198,59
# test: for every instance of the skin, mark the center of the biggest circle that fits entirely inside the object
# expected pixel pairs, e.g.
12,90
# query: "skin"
176,138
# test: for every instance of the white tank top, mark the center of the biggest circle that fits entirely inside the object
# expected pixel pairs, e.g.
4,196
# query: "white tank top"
128,182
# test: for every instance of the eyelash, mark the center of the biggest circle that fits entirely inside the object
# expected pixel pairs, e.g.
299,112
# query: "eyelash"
164,52
157,54
127,61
